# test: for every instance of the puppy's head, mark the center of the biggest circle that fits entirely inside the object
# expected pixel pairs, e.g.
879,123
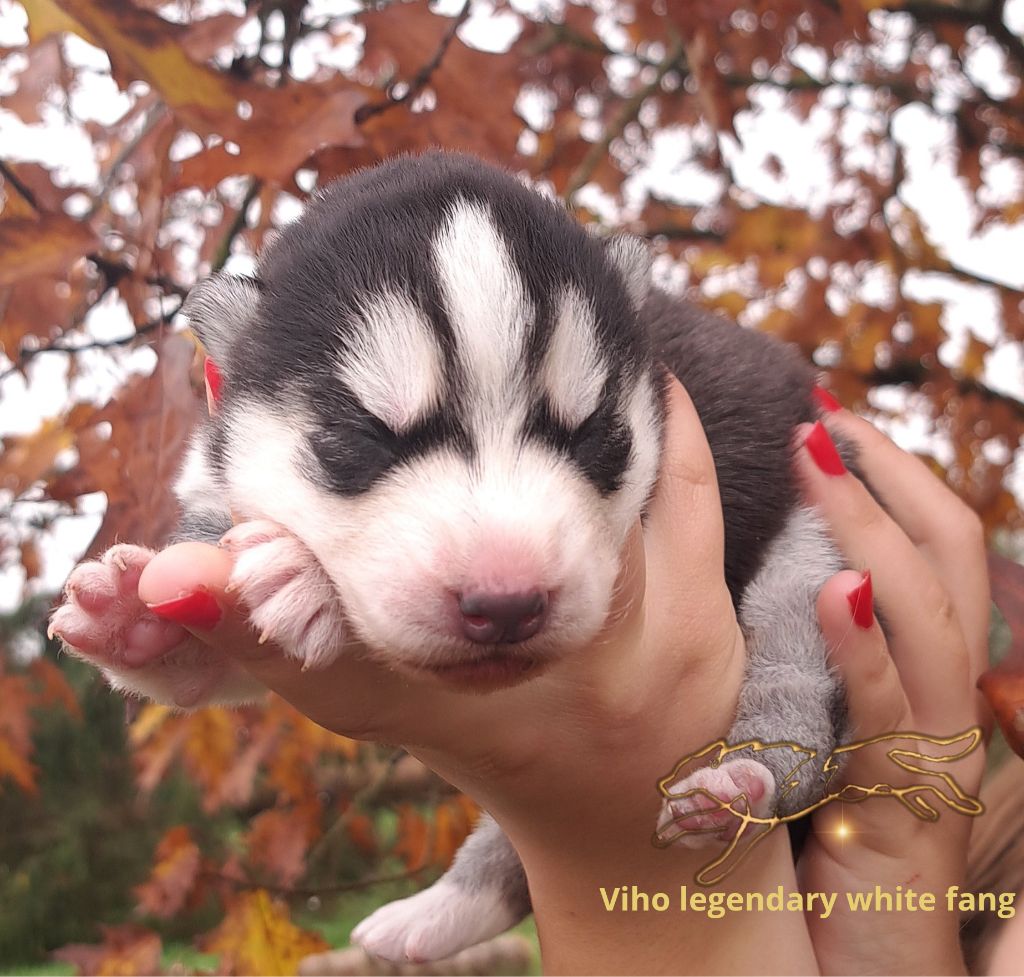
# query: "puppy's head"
439,382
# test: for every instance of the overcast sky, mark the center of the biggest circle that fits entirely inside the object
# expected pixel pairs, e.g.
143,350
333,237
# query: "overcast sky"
932,189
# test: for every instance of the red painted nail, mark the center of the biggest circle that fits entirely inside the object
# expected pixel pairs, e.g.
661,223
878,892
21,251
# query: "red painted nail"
861,604
213,379
195,610
822,449
825,400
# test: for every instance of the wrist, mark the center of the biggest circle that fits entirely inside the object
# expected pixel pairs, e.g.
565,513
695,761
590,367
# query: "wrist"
623,906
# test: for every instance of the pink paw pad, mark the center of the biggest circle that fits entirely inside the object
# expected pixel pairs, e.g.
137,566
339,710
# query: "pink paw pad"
290,598
102,618
705,818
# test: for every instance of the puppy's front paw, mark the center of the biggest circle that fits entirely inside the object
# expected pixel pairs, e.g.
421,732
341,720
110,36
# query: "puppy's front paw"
103,621
290,598
732,788
434,924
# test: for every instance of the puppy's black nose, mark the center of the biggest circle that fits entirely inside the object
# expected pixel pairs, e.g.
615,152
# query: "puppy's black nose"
502,618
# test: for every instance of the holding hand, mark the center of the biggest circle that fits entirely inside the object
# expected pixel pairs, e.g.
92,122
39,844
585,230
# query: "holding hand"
922,559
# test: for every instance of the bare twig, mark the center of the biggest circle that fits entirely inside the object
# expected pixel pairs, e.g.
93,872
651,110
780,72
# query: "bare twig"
627,114
359,800
57,346
422,76
12,178
153,116
238,225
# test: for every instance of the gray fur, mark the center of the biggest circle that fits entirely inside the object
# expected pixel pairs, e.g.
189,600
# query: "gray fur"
368,235
632,258
220,309
789,692
488,860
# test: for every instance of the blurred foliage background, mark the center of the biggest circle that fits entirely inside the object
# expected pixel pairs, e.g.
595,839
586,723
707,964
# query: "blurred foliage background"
845,174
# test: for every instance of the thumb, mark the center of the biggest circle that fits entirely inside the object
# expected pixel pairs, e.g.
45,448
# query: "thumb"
188,583
684,532
353,695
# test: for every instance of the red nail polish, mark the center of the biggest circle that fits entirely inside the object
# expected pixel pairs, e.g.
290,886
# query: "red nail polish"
861,603
213,379
195,610
823,450
825,400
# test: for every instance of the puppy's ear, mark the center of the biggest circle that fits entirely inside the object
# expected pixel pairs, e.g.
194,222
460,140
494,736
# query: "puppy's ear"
632,259
219,309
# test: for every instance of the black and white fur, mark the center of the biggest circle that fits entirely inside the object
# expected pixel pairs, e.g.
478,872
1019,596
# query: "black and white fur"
436,385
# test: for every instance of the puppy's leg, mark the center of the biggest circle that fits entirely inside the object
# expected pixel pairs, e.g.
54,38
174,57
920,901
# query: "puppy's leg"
789,694
103,621
480,896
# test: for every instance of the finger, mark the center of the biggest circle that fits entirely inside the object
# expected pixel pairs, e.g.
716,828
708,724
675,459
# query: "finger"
934,518
187,582
684,532
875,700
925,638
353,694
876,705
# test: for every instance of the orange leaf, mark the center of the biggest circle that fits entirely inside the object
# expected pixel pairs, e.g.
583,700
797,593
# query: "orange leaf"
278,841
173,877
30,457
15,766
361,831
144,46
53,688
125,951
39,247
413,845
258,937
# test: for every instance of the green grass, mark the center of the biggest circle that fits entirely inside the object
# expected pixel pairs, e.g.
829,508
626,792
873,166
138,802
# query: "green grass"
334,919
38,970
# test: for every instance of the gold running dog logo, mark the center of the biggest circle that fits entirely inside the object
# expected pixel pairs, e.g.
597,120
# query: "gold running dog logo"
919,798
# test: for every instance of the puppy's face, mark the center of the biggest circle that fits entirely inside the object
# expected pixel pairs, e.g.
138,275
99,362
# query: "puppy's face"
467,452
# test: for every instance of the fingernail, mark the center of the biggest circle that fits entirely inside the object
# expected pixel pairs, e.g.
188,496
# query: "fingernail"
195,610
823,450
825,400
861,603
213,379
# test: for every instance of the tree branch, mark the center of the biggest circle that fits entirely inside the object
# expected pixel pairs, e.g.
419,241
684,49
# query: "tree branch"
628,113
223,252
422,77
26,354
23,191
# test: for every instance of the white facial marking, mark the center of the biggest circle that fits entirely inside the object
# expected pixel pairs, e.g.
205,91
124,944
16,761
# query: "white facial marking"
484,296
428,529
641,410
574,373
392,362
197,486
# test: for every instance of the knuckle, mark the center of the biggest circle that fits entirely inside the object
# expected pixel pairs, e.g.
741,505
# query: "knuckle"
873,519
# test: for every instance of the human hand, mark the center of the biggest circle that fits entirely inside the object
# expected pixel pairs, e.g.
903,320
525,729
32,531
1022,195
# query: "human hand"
926,556
567,762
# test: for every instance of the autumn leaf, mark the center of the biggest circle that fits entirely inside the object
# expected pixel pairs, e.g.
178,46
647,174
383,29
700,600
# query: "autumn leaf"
52,689
28,458
16,767
277,843
38,247
258,937
173,875
125,951
413,834
144,46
